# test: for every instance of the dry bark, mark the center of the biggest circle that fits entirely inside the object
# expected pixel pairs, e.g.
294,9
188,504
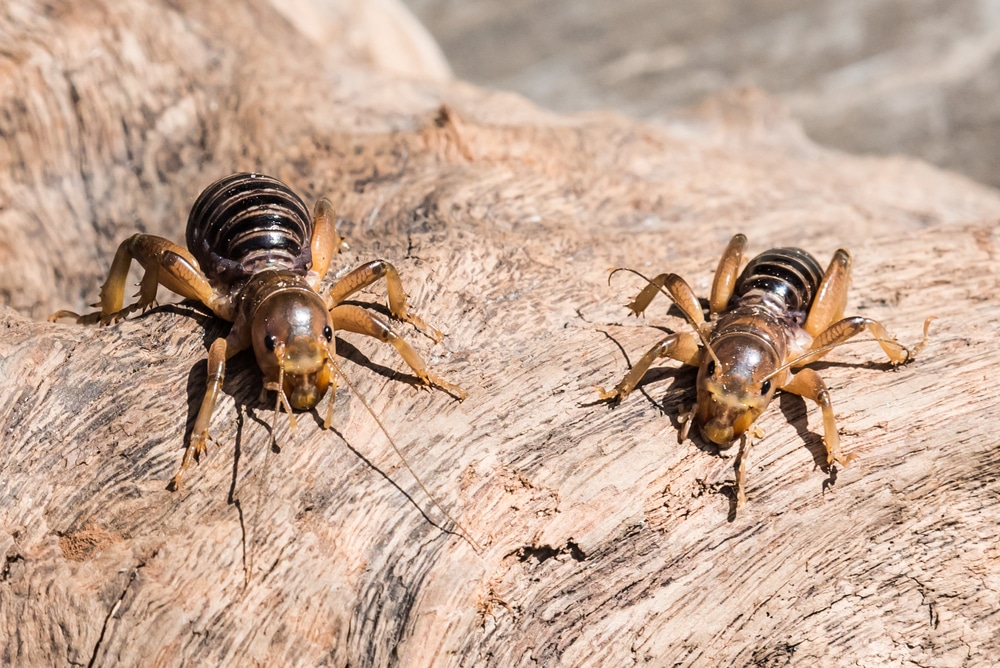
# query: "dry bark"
603,540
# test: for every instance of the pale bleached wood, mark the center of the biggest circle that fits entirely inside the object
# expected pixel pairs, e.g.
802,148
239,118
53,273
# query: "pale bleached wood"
605,542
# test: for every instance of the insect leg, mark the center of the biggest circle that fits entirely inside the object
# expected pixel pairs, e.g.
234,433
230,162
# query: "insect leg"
831,296
726,273
679,292
642,300
807,383
112,292
220,351
166,264
325,241
370,272
355,319
680,346
842,330
741,469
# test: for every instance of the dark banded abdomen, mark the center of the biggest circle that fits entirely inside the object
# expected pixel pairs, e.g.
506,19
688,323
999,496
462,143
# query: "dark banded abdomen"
789,276
245,223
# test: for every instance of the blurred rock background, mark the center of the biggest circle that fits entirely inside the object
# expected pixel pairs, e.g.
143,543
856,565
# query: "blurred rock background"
917,77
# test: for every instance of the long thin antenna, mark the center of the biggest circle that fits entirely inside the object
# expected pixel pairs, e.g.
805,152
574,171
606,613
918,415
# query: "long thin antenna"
261,487
463,532
281,399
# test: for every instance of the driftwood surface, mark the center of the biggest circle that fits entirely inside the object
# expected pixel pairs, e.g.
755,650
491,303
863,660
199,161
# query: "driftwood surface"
603,541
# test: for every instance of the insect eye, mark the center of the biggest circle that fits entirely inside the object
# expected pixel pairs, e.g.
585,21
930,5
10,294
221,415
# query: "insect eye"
765,387
710,369
269,341
328,333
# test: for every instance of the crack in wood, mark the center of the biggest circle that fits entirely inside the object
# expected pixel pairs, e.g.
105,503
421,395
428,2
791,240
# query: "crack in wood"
111,613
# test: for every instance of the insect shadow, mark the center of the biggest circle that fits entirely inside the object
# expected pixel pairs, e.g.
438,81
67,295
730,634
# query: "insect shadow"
792,406
244,379
765,325
680,393
240,384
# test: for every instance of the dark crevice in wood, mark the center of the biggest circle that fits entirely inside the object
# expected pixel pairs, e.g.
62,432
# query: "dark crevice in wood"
542,553
8,562
111,613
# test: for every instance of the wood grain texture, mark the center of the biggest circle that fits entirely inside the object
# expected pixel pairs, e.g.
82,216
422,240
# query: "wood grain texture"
605,542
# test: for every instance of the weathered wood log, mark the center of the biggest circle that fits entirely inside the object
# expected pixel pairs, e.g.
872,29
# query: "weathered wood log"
603,540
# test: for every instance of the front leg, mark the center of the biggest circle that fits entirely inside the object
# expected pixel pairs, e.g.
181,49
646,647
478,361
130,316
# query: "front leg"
367,274
807,383
680,346
741,469
166,264
355,319
220,351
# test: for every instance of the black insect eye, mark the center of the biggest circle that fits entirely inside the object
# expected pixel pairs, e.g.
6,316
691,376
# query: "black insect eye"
710,369
269,342
328,333
765,387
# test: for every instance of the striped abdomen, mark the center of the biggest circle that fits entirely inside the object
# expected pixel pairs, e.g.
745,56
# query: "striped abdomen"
245,223
785,279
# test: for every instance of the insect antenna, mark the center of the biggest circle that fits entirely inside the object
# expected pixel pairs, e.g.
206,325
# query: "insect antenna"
462,531
279,402
333,394
691,321
281,399
261,486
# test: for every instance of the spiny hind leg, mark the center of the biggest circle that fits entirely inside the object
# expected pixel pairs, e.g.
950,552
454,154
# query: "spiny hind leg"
642,300
842,330
351,318
680,346
726,274
367,274
166,264
219,352
808,384
326,241
677,289
831,296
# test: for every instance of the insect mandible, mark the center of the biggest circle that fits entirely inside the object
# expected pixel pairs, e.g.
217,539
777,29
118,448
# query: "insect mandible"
765,324
255,258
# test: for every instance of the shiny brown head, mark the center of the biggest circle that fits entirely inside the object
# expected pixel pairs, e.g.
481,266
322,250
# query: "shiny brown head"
735,390
292,332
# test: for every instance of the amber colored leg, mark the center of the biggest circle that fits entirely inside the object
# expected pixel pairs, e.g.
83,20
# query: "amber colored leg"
842,330
679,346
326,241
355,319
370,272
831,296
679,292
642,300
726,274
807,383
220,351
165,263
